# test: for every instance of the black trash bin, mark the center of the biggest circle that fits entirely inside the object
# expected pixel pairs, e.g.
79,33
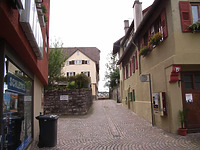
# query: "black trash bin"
48,130
12,131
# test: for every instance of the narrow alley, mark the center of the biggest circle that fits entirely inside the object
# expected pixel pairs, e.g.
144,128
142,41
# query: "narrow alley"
110,126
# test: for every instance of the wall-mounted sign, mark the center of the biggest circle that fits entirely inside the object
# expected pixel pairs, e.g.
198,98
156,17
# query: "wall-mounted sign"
15,84
174,77
64,97
143,78
189,98
156,99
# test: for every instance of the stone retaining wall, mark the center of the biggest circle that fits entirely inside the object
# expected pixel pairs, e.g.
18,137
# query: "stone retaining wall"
68,102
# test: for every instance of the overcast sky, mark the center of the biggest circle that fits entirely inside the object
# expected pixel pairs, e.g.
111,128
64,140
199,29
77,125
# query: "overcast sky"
91,23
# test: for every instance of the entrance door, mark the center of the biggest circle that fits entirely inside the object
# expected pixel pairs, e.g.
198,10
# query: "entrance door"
191,99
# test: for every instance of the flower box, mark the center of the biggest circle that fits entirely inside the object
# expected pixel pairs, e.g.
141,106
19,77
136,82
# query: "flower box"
155,39
195,27
144,51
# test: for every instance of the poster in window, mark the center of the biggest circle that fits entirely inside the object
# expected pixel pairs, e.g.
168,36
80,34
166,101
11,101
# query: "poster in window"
13,102
6,104
189,98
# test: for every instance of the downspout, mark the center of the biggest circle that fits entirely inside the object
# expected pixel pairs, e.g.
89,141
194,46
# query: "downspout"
152,115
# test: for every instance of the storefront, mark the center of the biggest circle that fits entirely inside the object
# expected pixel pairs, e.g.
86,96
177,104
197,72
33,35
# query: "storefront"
17,101
24,42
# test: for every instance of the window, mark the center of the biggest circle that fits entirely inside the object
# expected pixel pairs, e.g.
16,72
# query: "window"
77,53
129,72
71,62
67,62
191,81
189,13
136,63
124,72
146,38
197,82
17,107
130,97
46,43
70,74
133,64
159,25
87,73
188,82
152,30
133,95
78,62
195,12
131,68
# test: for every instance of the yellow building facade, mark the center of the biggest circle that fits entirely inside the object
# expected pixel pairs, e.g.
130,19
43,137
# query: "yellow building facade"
172,64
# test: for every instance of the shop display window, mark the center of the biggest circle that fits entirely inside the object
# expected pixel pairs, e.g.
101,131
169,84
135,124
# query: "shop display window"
17,107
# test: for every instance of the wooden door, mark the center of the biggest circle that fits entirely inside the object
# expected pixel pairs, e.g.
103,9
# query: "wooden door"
191,99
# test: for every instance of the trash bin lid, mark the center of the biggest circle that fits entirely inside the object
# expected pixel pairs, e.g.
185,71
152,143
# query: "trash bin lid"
49,117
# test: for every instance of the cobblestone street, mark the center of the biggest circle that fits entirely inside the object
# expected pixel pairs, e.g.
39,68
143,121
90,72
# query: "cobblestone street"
110,126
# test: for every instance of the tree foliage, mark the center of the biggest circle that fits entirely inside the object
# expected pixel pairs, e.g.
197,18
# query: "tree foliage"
114,78
78,82
56,60
112,75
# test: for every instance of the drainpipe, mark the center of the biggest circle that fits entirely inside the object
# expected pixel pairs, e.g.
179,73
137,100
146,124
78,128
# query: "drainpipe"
152,115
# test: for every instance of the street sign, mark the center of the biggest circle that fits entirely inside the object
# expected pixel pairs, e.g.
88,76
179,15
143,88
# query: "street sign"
143,78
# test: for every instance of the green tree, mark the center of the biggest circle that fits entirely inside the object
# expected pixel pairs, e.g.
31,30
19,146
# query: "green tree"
78,82
114,78
56,60
112,75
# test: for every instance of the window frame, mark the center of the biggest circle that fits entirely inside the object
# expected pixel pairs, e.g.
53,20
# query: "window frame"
192,74
70,74
195,4
159,25
87,73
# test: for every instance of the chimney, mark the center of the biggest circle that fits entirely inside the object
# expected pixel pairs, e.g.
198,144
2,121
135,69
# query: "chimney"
137,13
126,26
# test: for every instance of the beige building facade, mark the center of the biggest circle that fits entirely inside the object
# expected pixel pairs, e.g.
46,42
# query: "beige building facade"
170,69
83,60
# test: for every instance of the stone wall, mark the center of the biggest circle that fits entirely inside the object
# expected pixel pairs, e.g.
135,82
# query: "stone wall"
115,94
68,102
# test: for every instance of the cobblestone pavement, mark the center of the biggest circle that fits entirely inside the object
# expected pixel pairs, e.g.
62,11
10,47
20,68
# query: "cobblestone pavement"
110,126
